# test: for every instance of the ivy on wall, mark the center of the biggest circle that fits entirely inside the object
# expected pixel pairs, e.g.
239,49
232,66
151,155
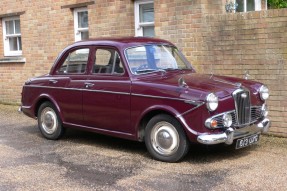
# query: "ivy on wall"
277,4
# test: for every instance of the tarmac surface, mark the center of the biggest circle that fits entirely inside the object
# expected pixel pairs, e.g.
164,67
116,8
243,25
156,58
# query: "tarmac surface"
87,161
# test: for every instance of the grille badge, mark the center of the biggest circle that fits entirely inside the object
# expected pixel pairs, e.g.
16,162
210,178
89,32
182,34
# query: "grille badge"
244,95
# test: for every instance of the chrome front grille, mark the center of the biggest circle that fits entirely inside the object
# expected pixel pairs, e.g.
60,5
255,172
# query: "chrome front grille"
256,114
242,106
244,114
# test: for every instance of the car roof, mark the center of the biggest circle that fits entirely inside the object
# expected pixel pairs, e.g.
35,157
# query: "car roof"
122,42
119,42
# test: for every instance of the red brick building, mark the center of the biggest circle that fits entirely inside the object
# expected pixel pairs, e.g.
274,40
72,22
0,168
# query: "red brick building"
214,37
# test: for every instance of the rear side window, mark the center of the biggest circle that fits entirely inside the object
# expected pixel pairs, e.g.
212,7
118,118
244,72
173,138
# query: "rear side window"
75,63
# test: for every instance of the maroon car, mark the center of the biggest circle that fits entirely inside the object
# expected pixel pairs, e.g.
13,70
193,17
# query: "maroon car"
144,89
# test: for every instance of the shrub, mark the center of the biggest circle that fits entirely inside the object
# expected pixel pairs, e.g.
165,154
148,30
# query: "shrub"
277,4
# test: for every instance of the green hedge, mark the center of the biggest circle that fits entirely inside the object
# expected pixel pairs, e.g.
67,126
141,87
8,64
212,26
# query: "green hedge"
277,4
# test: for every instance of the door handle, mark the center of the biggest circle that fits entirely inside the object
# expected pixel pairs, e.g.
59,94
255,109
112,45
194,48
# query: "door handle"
53,81
89,85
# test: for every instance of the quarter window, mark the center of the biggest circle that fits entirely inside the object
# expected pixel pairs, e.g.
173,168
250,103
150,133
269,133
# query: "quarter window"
12,36
81,24
144,18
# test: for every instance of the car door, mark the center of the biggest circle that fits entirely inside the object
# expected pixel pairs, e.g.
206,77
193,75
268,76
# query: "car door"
68,83
106,98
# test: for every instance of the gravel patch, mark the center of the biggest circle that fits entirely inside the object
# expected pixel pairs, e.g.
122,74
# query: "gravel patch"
87,161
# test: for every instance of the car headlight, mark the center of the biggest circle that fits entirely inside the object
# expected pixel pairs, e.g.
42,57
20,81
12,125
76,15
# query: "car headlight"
211,102
264,92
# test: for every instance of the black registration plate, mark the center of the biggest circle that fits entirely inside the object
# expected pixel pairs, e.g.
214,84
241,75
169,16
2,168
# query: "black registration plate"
246,141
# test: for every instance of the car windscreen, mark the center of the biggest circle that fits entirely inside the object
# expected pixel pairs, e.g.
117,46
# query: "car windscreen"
150,58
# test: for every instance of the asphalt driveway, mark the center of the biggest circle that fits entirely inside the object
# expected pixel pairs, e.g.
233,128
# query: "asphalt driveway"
86,161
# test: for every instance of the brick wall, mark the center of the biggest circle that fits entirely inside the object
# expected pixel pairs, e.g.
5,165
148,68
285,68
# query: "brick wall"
43,36
111,18
230,44
255,42
47,28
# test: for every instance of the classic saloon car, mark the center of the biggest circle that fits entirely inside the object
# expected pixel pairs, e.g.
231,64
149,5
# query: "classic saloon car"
144,89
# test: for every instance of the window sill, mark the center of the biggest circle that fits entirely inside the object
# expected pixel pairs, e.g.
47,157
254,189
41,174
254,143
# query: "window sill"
13,60
78,5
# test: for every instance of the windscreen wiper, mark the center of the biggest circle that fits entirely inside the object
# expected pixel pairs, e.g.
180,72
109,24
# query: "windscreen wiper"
149,70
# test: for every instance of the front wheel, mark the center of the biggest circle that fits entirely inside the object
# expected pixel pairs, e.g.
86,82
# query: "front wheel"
49,121
165,139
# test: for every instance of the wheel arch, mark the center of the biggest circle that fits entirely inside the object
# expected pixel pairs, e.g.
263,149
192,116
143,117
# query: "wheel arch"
46,98
150,113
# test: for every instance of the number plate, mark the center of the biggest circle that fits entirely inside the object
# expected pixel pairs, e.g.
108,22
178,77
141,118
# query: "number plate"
246,141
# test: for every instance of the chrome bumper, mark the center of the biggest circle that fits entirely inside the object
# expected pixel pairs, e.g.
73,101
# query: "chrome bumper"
230,134
20,109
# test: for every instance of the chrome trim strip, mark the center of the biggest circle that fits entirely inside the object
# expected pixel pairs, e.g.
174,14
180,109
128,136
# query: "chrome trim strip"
123,93
202,103
105,91
196,103
238,85
193,102
188,128
25,107
83,89
50,87
98,129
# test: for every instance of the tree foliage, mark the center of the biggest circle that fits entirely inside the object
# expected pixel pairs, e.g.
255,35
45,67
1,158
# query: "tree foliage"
277,4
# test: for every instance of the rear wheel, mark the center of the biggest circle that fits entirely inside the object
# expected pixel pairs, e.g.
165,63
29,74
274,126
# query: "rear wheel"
165,139
49,121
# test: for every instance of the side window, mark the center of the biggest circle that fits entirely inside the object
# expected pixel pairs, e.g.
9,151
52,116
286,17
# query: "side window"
75,63
107,61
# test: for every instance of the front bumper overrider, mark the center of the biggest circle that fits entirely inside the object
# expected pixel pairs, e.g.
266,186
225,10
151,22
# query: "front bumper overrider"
233,133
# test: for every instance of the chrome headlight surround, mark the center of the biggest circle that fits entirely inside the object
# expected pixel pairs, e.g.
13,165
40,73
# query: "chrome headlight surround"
264,92
211,102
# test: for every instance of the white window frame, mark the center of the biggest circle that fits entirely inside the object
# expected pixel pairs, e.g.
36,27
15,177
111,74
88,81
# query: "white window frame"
138,25
7,51
76,24
257,4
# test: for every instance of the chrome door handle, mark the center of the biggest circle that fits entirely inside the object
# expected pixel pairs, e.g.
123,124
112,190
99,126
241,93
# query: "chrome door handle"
89,85
53,81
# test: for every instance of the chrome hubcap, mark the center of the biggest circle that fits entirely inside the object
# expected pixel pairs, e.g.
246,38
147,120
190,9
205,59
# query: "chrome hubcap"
49,120
165,138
